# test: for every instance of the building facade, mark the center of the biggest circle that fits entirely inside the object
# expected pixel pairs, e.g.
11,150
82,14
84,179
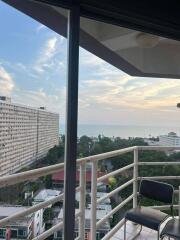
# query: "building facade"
171,140
100,232
26,227
26,135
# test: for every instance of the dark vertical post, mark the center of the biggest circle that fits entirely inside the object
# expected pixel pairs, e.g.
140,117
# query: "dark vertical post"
71,122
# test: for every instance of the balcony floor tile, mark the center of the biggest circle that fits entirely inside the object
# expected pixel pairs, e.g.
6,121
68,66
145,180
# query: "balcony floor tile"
146,234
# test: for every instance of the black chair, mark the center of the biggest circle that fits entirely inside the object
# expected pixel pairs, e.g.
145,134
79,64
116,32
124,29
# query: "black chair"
146,216
171,229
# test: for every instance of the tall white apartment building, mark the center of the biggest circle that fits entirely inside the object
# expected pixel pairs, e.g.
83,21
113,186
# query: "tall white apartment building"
26,135
171,140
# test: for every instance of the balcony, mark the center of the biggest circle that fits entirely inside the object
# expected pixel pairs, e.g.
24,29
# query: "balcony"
115,232
119,34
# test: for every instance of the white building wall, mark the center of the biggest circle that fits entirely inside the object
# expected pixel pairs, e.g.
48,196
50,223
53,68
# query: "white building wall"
48,132
26,135
38,223
165,140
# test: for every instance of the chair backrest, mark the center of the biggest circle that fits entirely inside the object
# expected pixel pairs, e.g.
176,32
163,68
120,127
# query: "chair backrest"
158,191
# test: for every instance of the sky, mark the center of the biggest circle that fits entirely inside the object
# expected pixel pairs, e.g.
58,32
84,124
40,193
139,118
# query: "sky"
33,72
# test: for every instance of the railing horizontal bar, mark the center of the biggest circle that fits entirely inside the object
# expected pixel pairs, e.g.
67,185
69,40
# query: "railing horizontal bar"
101,221
158,163
30,210
36,173
49,232
100,179
157,148
33,209
113,230
106,155
108,195
160,177
163,207
52,230
31,174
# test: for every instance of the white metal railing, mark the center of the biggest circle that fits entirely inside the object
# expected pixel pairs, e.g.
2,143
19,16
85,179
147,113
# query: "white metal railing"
33,174
135,165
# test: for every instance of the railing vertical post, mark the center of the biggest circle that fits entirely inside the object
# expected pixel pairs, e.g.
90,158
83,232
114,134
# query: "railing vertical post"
93,199
82,203
135,177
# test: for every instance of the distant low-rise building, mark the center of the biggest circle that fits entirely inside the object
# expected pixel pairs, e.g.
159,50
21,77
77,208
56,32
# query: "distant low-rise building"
45,195
171,140
105,205
26,227
100,233
151,142
58,179
102,210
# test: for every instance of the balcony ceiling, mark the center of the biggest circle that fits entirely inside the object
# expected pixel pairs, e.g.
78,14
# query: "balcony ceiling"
107,35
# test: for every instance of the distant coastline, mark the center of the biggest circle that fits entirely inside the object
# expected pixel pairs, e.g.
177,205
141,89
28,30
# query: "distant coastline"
123,131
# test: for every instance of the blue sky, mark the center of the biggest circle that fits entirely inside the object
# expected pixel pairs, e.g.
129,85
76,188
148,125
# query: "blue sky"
33,72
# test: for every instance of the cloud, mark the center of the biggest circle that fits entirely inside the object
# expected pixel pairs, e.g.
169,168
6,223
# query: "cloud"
39,81
96,66
50,48
40,27
89,59
131,93
99,83
46,55
6,82
109,88
103,89
40,98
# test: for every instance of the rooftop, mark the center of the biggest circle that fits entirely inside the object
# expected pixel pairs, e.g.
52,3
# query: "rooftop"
7,101
6,211
46,194
59,176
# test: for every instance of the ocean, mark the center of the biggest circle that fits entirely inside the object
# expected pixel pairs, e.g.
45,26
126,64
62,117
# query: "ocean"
123,131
